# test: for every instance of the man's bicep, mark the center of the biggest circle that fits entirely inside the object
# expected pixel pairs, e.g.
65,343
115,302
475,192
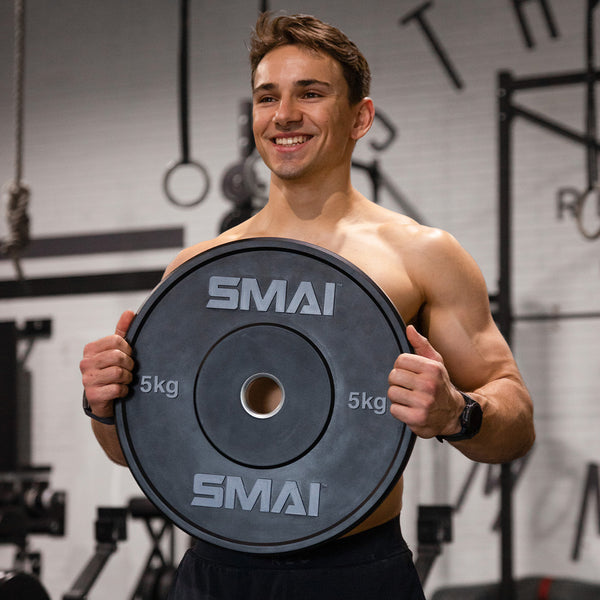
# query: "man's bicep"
475,353
460,326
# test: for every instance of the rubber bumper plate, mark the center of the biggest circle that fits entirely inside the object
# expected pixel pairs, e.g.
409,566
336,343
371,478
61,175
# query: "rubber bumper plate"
258,418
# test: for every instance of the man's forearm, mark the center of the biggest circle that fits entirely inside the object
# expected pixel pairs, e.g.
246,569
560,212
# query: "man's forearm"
507,430
109,440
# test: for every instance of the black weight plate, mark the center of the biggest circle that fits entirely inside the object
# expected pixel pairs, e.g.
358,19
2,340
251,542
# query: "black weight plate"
324,336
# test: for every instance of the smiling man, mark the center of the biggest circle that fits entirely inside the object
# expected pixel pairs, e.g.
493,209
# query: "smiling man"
310,87
305,127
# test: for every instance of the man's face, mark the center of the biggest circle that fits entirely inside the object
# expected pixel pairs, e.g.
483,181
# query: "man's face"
302,120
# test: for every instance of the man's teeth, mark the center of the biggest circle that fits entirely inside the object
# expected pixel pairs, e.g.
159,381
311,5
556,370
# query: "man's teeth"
290,141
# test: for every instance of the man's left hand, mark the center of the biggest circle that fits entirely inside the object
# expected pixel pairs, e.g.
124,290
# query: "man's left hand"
421,393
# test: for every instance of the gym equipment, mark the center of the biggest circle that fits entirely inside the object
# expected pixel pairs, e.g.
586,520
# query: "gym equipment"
157,575
528,588
184,119
27,506
240,183
508,110
110,527
434,528
16,192
15,585
258,418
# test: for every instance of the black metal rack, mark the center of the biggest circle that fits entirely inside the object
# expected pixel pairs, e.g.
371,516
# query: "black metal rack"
508,112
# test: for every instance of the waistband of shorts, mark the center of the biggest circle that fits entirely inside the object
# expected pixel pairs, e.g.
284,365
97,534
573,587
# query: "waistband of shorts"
367,546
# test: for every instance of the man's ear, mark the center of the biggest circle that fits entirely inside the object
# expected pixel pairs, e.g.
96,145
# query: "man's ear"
364,115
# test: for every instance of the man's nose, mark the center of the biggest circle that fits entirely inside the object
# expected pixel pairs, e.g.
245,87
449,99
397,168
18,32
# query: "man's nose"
288,112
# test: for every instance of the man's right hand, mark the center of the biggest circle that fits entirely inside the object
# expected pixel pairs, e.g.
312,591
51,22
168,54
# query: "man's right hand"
106,368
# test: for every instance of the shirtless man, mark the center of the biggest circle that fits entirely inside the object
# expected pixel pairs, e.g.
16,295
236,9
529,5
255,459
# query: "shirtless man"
310,88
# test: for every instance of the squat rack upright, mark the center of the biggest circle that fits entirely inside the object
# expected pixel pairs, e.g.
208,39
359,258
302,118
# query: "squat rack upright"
508,111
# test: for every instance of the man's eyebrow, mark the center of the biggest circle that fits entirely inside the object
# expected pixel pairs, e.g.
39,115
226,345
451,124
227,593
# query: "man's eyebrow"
309,82
265,87
301,83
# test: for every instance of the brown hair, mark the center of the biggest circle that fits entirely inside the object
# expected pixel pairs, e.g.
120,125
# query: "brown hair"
304,30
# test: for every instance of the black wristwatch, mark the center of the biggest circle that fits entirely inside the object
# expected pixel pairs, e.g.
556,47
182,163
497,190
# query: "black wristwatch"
470,421
88,411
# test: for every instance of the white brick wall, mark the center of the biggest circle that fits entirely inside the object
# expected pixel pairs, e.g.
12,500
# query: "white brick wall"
101,127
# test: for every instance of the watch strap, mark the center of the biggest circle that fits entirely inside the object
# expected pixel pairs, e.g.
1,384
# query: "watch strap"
88,411
469,427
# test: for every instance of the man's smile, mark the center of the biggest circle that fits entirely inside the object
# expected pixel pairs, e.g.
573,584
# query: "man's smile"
291,140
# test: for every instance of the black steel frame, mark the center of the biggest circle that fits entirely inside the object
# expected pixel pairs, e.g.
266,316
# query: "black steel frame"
78,245
508,111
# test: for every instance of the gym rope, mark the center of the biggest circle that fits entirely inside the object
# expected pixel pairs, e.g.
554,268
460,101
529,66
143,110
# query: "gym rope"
16,192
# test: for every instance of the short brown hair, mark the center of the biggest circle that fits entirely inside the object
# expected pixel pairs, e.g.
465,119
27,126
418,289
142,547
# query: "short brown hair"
304,30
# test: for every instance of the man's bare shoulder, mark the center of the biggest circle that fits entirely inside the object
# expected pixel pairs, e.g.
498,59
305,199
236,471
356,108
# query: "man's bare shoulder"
408,236
432,257
191,251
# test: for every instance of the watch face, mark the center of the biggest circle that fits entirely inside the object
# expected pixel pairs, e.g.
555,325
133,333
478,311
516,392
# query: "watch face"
473,416
470,419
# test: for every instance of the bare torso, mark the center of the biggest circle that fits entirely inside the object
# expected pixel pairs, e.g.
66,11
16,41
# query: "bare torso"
305,130
378,243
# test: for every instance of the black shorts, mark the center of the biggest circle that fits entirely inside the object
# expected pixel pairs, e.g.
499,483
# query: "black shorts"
375,564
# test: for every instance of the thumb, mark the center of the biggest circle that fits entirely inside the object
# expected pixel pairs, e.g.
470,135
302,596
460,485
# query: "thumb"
124,323
421,344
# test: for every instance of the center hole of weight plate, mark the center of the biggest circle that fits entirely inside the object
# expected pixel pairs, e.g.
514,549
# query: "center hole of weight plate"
262,395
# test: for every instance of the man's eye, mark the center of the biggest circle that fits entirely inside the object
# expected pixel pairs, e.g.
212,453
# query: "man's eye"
312,95
266,99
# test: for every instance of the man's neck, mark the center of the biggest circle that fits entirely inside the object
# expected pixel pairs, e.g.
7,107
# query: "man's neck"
315,202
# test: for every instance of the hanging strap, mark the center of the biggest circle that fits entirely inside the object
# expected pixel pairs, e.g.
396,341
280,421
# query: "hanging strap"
184,119
184,115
